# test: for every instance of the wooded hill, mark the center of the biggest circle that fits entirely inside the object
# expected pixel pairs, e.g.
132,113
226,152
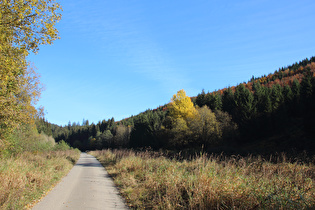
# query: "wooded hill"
274,112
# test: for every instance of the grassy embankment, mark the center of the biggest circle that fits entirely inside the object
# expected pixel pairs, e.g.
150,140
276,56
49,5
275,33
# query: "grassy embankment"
26,177
214,182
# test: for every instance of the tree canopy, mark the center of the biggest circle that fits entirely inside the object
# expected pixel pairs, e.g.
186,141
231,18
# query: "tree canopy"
24,26
181,106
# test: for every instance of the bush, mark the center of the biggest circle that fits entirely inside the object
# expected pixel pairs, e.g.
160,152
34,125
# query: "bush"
62,145
26,138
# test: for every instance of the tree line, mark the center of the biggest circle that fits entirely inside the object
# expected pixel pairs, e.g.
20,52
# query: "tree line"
277,106
280,104
270,104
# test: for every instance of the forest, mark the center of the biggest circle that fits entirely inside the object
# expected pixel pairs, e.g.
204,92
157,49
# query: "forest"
271,113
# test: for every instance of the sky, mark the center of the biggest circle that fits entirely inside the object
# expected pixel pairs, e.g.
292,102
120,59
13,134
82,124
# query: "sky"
118,58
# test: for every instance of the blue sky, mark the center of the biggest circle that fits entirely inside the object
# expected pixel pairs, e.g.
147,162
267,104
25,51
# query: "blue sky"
118,58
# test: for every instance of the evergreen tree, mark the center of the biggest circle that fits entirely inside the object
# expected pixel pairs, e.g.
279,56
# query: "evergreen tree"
295,88
306,89
296,96
287,94
228,102
258,96
217,102
244,111
200,100
244,101
276,97
140,132
92,130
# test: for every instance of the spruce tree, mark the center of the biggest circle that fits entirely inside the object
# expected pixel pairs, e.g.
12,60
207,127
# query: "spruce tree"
200,100
228,103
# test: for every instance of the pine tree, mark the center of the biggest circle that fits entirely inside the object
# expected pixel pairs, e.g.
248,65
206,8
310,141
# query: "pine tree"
306,92
306,88
200,100
296,96
244,101
258,96
228,102
276,97
295,88
287,94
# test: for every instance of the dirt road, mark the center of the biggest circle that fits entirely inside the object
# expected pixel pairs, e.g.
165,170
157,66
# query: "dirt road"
87,186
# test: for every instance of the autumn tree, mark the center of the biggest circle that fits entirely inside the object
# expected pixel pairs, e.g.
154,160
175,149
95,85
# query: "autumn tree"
192,126
122,136
27,24
181,106
181,134
205,127
181,109
24,26
227,128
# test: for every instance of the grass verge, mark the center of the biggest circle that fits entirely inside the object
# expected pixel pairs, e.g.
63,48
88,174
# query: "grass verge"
26,177
152,181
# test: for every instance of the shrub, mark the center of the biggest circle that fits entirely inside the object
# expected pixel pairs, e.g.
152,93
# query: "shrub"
62,145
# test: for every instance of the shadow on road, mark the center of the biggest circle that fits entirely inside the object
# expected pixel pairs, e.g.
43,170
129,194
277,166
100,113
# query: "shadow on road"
89,164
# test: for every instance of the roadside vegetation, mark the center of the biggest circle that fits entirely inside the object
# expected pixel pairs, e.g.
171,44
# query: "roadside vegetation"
26,177
153,180
30,160
31,166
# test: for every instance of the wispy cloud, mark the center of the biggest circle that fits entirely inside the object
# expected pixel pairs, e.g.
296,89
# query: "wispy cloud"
120,34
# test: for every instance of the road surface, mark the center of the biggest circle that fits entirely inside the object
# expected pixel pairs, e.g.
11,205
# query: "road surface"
87,186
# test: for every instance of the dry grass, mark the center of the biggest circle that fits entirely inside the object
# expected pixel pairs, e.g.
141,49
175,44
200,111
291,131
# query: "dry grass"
25,178
215,182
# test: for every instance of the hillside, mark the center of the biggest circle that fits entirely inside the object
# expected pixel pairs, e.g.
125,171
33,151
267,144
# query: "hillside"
270,113
274,111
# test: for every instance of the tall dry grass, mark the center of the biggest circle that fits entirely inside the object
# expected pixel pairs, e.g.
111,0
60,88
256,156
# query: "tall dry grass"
26,177
215,182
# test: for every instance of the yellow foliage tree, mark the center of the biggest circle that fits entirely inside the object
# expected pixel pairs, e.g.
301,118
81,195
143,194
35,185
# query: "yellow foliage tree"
181,110
24,25
190,124
181,106
29,23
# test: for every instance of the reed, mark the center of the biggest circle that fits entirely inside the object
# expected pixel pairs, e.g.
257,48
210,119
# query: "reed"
26,177
147,180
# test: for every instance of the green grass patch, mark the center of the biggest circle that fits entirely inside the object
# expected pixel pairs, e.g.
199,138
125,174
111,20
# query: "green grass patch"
148,180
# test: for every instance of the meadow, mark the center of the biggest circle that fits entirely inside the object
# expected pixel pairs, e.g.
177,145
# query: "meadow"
28,176
157,181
